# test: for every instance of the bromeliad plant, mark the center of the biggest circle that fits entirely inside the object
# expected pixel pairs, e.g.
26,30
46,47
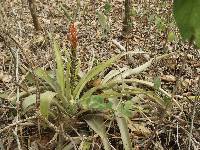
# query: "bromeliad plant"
69,92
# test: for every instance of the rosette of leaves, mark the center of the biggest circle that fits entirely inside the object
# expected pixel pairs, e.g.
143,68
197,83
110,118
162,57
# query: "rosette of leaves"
57,90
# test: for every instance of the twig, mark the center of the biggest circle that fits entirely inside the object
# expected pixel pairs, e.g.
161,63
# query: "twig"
52,140
17,138
177,135
193,115
17,123
192,125
122,48
66,136
22,66
49,123
17,98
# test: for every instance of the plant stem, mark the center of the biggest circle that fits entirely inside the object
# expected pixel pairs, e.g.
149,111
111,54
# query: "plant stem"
32,8
73,68
127,17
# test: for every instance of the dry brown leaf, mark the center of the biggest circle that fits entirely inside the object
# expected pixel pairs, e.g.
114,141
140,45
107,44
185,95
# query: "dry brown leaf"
5,78
168,78
139,129
188,81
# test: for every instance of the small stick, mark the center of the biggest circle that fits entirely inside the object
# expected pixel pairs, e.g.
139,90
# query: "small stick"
16,123
193,115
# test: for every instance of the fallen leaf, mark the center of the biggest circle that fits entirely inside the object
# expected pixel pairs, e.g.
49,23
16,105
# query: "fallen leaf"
139,129
5,78
168,78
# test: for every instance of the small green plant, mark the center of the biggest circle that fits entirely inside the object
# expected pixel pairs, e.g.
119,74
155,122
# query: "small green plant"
107,8
103,18
171,36
160,24
104,23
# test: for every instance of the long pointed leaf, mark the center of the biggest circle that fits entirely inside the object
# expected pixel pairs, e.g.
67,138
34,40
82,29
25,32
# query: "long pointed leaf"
67,76
123,126
45,76
136,70
139,69
95,71
150,84
92,73
97,124
45,102
60,66
112,74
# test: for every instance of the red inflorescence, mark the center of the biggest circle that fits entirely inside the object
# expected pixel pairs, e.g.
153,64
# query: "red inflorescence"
73,35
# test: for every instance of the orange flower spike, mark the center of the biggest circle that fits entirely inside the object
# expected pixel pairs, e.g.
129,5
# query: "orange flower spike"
73,35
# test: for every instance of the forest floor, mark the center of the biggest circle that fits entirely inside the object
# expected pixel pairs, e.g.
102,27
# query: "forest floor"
152,24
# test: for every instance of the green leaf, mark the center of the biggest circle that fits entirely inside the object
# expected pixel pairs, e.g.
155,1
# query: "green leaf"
160,24
84,100
45,101
126,109
150,84
154,97
136,70
122,124
133,11
46,77
102,20
92,73
128,105
67,76
85,145
28,102
60,67
29,78
97,124
78,68
157,83
112,74
107,7
187,17
171,36
97,102
151,18
167,101
67,82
